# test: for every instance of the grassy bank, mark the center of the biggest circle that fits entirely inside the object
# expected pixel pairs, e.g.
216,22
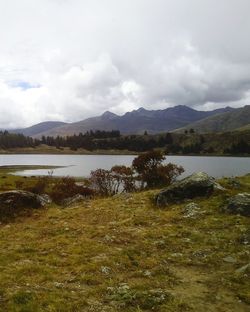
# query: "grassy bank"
50,150
124,254
44,149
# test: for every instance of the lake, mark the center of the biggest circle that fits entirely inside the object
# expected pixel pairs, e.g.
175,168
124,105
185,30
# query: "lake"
81,165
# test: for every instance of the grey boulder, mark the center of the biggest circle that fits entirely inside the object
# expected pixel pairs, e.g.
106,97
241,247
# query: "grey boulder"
195,185
15,202
239,204
73,200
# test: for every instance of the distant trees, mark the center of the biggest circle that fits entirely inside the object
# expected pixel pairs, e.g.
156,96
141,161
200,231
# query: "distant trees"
171,143
13,140
93,140
241,147
86,141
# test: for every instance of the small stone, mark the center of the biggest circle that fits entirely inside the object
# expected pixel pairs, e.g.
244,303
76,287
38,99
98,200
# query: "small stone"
147,273
243,269
230,259
105,270
177,254
233,182
108,239
191,210
58,285
73,200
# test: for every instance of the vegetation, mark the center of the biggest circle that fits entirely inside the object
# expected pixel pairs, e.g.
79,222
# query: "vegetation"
225,122
66,187
121,253
241,147
147,171
187,143
12,140
152,173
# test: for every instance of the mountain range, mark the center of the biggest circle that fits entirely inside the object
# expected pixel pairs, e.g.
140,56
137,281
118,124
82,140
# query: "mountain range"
153,121
237,119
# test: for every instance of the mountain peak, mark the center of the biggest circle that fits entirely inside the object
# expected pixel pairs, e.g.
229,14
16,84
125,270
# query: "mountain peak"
141,109
108,114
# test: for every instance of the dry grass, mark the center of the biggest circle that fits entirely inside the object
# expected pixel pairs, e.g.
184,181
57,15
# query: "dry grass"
124,254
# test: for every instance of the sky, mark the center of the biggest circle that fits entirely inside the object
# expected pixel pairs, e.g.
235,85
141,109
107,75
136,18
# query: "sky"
69,60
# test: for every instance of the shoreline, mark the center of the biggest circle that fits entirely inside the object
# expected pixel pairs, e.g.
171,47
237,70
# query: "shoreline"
67,151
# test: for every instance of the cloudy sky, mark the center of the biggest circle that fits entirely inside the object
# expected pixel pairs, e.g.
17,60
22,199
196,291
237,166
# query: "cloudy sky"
71,59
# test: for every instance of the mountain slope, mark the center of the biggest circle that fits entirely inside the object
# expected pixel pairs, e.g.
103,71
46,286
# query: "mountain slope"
228,121
38,128
137,121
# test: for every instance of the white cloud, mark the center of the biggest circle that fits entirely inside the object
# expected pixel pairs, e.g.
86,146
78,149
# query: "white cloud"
69,60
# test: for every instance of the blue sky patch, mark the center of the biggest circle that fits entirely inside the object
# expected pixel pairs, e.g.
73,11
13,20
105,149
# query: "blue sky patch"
23,85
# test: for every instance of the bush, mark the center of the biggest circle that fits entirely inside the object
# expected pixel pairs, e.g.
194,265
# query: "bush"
67,187
39,187
147,170
111,182
101,181
152,173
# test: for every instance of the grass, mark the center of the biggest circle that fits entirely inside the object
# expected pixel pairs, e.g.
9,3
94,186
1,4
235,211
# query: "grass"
45,149
10,181
124,254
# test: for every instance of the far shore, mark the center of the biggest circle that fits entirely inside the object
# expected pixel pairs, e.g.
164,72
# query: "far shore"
51,150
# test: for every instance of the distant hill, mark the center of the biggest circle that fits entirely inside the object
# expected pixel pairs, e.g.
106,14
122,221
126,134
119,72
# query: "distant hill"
244,128
136,122
38,128
236,119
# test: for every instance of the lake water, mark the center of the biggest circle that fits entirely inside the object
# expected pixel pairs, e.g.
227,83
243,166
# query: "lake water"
81,165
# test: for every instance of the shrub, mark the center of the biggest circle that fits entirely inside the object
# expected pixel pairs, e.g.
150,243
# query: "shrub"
19,184
124,177
66,187
152,173
103,182
39,187
110,182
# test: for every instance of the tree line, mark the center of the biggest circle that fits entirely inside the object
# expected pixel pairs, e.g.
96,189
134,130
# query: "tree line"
183,144
13,140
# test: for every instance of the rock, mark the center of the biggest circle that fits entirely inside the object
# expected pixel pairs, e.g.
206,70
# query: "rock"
191,210
15,202
46,200
239,204
73,200
243,269
147,273
105,270
195,185
235,183
229,259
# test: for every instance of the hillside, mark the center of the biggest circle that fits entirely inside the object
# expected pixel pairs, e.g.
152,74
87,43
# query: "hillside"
135,122
124,254
227,121
38,128
244,128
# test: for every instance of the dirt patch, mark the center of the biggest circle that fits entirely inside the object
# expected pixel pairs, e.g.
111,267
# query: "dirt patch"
195,288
